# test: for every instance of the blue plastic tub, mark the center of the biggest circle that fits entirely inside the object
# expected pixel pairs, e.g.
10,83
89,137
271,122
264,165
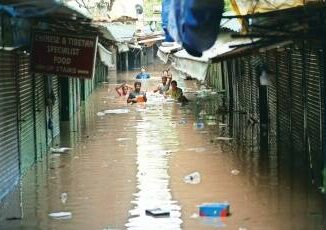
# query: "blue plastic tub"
214,209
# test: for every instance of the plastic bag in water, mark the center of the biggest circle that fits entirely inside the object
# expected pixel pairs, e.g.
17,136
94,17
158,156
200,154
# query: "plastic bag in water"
193,178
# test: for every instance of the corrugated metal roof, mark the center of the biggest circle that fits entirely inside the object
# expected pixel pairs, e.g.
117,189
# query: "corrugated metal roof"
119,32
219,48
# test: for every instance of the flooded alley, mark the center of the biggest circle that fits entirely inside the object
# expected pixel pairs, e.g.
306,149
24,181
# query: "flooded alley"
126,159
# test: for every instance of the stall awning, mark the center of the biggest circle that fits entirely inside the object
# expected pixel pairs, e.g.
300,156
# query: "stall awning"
118,32
165,51
150,41
122,47
163,56
197,67
105,56
192,67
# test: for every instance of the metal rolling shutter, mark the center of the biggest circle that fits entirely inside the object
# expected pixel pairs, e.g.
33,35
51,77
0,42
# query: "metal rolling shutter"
254,85
77,94
26,117
314,130
284,98
241,95
87,88
237,86
40,115
71,98
230,80
245,85
272,100
82,90
297,110
322,69
9,149
55,108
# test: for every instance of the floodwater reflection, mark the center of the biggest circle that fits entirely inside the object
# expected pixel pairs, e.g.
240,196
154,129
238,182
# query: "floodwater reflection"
156,141
123,164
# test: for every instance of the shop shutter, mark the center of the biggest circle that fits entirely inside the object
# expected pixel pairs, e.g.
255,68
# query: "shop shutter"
78,94
55,108
241,80
230,82
322,69
82,90
236,85
284,98
40,115
88,87
297,108
255,62
9,148
246,85
314,120
71,98
272,99
26,116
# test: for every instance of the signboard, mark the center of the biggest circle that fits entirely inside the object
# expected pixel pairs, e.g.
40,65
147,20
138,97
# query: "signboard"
64,54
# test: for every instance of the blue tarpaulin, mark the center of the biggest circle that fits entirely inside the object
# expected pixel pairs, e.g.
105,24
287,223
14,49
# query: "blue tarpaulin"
165,16
193,23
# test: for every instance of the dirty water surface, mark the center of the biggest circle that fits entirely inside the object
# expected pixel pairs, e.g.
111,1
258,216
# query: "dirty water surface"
127,159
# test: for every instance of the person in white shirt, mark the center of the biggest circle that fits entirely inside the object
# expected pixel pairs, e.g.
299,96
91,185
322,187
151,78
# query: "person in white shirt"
164,86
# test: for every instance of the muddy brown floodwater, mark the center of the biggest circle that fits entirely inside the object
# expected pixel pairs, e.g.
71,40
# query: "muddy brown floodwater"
135,157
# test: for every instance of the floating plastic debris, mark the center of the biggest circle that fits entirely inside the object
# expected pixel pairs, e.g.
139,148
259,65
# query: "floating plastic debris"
194,216
116,111
235,172
60,150
100,114
123,139
193,178
64,197
183,121
197,150
157,212
61,215
214,209
198,125
224,138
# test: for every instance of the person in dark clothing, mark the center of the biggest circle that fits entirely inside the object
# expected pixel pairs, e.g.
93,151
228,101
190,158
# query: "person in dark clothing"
137,95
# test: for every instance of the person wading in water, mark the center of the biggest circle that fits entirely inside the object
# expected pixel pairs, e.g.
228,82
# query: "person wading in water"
137,95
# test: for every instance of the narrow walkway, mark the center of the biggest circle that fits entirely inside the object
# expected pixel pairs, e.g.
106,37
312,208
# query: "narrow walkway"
122,164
